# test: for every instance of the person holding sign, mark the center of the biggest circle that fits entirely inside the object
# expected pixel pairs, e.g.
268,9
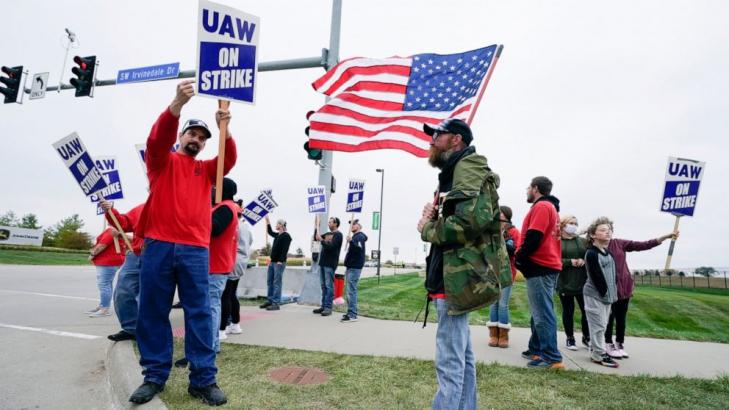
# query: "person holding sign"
107,255
331,246
354,261
176,226
277,266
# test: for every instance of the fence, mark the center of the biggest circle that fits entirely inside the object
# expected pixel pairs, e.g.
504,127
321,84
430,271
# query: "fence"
718,280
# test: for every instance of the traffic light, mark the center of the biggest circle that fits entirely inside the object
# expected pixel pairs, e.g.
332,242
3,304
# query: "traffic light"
84,81
311,153
12,82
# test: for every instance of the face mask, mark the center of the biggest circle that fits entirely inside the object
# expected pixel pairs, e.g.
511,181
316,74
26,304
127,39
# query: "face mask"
570,229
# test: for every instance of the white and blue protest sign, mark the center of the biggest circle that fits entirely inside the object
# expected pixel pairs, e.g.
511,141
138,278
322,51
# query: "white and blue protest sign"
316,198
683,177
109,171
151,73
142,149
79,162
258,208
355,195
227,51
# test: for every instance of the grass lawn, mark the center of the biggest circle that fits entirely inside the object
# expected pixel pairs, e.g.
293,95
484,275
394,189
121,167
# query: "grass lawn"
690,314
364,382
18,257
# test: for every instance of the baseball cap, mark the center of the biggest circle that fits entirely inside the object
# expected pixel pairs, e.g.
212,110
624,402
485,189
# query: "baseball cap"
452,125
192,123
356,221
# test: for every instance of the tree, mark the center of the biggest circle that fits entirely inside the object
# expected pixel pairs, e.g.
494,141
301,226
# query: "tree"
670,272
29,221
682,274
707,271
9,219
265,251
67,234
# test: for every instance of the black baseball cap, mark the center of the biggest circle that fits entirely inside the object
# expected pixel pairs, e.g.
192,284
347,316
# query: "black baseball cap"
192,123
452,125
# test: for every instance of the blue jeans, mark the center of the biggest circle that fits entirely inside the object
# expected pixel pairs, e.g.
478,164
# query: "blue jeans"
104,279
164,266
216,286
275,280
352,283
326,277
499,311
126,293
543,341
455,365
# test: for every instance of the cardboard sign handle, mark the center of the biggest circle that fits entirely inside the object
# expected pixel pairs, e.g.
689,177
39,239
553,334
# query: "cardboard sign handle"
349,232
223,105
118,227
673,244
117,249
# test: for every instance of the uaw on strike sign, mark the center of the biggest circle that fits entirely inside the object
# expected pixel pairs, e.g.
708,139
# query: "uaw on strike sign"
79,162
227,53
683,177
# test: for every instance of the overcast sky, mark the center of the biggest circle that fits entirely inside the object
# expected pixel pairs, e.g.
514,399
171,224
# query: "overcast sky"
596,96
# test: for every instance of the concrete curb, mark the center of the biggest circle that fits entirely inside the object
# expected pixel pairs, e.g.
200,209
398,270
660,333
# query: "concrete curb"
124,375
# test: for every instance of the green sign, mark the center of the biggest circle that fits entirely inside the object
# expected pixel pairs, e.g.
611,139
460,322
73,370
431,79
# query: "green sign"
375,221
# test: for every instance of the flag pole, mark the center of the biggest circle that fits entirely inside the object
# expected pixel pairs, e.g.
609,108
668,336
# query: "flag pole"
485,83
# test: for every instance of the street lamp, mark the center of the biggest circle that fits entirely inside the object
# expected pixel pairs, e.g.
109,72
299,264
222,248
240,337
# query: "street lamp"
379,234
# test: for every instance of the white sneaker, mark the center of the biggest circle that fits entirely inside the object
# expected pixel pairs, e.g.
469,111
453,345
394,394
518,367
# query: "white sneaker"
102,312
612,351
94,310
621,351
222,335
233,329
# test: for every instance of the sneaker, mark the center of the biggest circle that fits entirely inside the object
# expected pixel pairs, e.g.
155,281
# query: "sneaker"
233,329
348,319
121,335
541,364
182,362
586,341
527,354
606,361
571,343
273,306
222,335
101,313
145,392
318,311
265,305
612,351
621,351
210,395
326,312
94,310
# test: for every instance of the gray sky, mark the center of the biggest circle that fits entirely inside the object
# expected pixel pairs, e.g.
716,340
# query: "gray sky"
594,95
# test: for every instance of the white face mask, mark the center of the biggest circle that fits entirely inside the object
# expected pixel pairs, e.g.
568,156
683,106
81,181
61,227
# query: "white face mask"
570,229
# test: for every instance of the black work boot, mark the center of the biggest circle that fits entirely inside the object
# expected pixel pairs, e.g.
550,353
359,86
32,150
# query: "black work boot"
121,335
145,392
210,395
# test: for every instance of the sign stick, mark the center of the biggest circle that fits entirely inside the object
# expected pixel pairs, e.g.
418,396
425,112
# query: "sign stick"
223,105
119,228
673,243
117,249
346,246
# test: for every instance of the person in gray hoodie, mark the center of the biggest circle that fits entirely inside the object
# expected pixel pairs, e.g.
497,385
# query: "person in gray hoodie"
600,290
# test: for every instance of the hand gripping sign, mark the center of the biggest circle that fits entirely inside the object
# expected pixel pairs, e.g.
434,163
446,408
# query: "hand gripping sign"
227,52
258,208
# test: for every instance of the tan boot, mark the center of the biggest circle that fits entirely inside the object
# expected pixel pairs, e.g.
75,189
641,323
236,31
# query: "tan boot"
493,334
504,335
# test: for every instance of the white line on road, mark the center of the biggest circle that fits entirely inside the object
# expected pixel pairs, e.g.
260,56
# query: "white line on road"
22,292
51,332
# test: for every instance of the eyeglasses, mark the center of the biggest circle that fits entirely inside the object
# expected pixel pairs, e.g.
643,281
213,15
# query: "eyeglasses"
437,134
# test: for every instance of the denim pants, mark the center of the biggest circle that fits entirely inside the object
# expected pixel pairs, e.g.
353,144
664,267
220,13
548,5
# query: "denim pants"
104,279
499,311
275,281
164,266
455,365
126,293
352,283
216,285
543,341
326,277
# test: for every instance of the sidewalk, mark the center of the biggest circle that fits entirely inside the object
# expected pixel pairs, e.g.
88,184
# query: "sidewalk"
296,327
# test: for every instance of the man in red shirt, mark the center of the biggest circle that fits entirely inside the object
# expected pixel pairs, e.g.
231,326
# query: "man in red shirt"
175,224
539,258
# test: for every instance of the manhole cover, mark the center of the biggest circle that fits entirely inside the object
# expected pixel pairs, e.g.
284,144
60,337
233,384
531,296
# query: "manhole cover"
298,375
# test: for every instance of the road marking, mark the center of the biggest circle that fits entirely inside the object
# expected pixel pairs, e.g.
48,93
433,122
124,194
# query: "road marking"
22,292
51,332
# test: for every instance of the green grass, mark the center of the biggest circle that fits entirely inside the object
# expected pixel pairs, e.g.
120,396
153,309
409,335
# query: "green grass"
22,257
689,314
363,382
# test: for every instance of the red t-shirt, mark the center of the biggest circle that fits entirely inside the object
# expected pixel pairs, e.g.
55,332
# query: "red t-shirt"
516,237
109,256
543,217
128,222
224,247
178,207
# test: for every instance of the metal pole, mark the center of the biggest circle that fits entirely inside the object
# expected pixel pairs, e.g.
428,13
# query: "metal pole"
725,286
379,233
71,39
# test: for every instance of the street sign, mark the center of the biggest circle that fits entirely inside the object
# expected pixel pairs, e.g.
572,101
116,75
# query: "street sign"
375,254
683,177
38,88
375,221
151,73
396,251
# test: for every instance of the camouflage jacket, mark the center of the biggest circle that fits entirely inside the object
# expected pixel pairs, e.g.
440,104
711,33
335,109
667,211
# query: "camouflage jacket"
475,261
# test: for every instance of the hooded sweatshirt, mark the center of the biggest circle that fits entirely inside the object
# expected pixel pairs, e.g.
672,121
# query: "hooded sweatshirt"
356,252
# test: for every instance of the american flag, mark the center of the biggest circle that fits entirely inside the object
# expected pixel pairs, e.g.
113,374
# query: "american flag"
383,103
